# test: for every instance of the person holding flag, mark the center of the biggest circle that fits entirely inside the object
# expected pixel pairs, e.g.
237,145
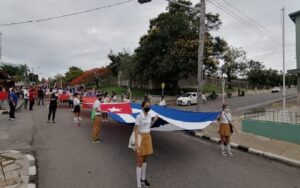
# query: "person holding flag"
97,120
76,111
143,143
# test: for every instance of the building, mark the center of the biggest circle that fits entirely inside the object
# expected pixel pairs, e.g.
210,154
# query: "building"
296,19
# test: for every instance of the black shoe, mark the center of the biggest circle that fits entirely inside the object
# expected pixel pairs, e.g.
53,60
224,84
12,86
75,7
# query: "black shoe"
145,183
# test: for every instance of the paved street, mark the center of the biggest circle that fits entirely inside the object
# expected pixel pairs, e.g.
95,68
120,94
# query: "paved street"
239,104
67,158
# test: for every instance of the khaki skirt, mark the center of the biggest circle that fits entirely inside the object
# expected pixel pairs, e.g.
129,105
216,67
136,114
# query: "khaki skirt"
145,144
224,129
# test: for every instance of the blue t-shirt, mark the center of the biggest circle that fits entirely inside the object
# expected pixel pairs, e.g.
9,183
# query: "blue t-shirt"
14,97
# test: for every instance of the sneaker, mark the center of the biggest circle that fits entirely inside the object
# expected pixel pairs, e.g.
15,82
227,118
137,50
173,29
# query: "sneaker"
230,154
12,119
224,153
96,142
76,125
145,183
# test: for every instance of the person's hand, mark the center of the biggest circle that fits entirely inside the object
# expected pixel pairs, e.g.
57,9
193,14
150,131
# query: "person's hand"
155,118
137,149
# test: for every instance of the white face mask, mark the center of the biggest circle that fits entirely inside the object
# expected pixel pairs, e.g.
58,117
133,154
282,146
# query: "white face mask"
227,109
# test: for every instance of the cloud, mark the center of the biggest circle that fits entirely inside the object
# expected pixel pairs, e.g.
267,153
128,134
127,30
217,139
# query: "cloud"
85,40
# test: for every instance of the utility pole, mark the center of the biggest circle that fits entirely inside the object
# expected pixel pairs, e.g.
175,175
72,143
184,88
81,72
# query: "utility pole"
201,53
283,60
202,30
0,46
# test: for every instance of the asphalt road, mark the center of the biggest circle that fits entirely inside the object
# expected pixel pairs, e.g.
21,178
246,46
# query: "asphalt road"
67,159
240,104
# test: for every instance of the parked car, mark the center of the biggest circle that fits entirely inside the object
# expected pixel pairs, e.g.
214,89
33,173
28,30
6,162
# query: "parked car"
187,99
275,89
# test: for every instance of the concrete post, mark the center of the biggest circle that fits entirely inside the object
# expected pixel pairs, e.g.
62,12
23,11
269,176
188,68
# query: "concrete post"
296,18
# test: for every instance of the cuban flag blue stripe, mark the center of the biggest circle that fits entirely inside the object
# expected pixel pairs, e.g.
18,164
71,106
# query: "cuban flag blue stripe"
169,119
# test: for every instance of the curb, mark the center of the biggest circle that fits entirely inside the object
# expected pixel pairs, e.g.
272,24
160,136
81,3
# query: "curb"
32,170
251,150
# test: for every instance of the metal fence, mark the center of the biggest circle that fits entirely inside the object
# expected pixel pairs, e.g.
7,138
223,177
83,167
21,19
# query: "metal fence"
274,116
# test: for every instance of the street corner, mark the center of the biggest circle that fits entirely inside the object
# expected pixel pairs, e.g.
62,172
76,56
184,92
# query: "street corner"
18,169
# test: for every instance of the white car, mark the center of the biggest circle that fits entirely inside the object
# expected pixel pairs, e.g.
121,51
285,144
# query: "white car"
275,89
187,99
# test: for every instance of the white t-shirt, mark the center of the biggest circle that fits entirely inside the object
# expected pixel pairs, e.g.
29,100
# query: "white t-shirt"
223,118
143,123
162,103
96,106
26,94
76,101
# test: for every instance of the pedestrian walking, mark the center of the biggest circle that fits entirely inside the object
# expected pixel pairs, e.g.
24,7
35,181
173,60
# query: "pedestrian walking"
71,105
162,101
226,128
26,98
3,98
41,96
52,107
143,143
97,120
76,111
13,100
104,114
32,96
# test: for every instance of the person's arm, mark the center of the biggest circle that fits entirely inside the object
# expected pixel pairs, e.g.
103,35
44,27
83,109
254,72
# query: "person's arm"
153,120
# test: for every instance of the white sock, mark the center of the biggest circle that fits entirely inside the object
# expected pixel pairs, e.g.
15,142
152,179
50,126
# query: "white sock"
144,171
228,148
222,147
138,176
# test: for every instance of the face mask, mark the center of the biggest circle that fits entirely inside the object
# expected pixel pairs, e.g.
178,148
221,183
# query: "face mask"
147,109
227,109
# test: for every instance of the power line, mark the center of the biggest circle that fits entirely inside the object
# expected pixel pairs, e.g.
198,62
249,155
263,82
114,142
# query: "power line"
237,17
245,22
264,29
65,15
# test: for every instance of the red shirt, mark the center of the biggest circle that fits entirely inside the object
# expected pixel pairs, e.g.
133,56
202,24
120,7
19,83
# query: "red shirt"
3,95
32,95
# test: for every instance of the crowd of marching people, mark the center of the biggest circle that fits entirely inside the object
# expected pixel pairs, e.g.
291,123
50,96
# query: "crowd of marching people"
73,98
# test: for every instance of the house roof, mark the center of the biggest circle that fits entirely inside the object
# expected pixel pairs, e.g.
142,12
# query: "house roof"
294,15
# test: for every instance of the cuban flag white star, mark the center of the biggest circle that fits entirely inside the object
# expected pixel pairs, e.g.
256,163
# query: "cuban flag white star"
113,109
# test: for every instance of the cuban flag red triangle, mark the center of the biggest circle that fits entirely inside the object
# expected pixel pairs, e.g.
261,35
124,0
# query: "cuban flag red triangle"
116,108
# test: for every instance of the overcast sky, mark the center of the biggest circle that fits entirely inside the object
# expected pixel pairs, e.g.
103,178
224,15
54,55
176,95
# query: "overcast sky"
85,40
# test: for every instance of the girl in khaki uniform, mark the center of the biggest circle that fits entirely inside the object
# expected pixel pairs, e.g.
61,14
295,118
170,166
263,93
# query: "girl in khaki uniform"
143,143
225,130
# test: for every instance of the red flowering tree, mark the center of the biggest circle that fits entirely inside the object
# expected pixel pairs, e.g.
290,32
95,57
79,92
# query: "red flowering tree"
92,76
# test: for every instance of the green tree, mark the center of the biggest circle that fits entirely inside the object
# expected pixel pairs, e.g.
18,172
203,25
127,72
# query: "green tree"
234,64
256,73
127,67
291,79
72,73
168,52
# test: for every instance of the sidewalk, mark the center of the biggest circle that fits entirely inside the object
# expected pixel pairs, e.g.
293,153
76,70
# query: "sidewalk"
17,170
280,150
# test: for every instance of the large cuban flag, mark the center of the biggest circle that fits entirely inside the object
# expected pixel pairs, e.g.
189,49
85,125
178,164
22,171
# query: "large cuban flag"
169,119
